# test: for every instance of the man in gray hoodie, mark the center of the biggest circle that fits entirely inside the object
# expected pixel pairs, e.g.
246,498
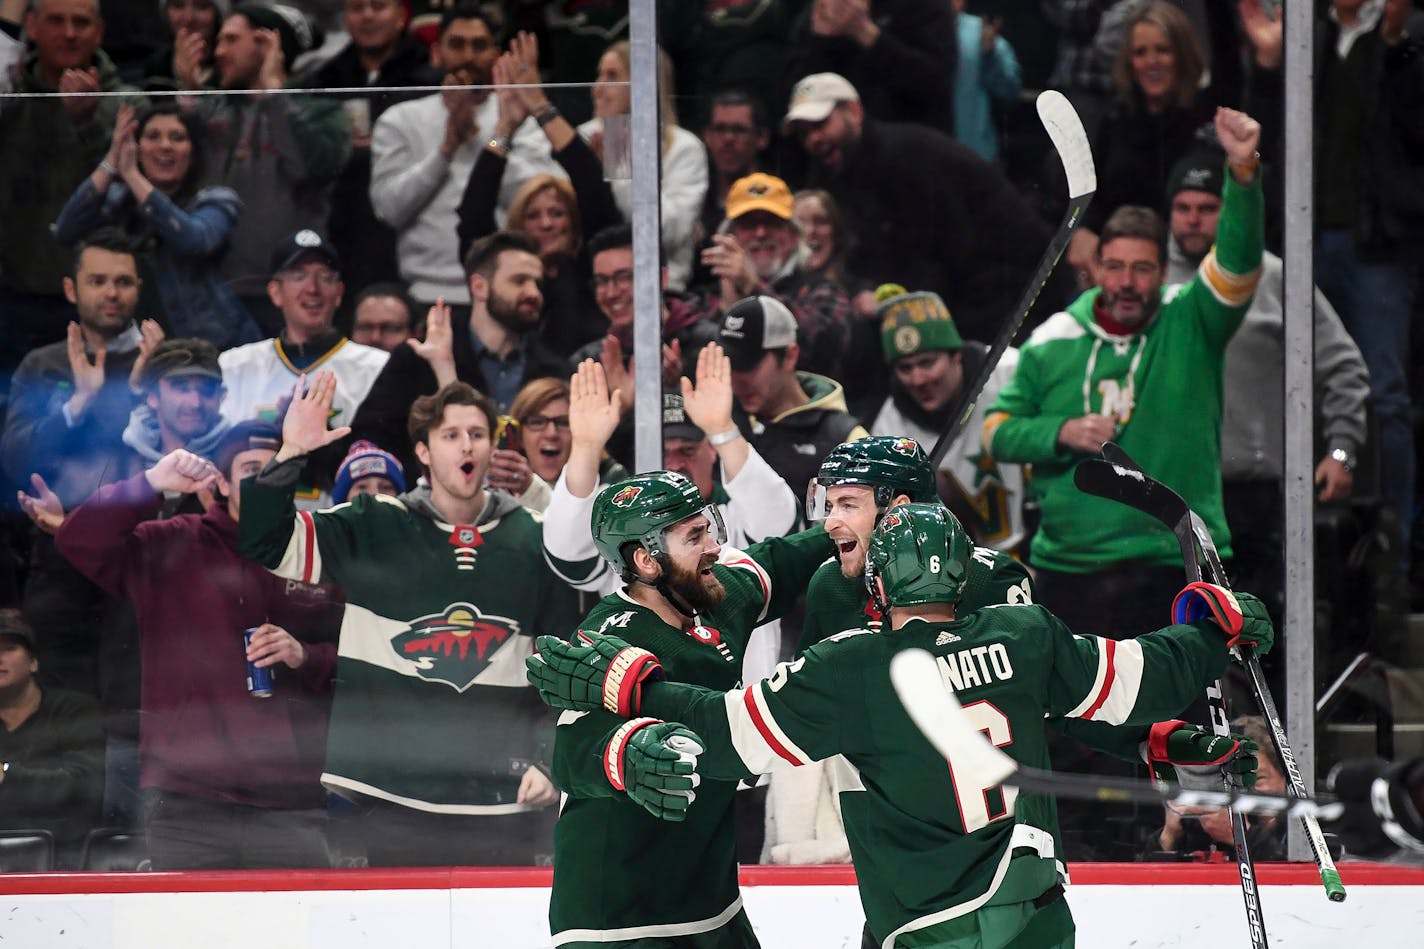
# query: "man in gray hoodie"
182,402
1252,432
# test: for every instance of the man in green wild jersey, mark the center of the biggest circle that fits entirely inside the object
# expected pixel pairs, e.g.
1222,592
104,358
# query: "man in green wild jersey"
434,731
694,603
980,868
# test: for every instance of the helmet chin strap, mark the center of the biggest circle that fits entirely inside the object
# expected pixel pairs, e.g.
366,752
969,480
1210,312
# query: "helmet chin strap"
660,584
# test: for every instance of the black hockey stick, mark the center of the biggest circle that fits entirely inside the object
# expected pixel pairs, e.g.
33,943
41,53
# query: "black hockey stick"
1071,142
936,712
1119,478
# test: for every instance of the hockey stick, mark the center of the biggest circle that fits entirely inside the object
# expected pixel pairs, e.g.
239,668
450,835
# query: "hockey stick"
936,712
1122,480
1065,129
1119,478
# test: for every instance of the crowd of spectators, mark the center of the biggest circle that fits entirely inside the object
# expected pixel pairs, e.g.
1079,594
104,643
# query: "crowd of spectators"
408,223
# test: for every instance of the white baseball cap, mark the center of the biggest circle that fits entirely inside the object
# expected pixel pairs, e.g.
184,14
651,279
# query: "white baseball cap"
814,96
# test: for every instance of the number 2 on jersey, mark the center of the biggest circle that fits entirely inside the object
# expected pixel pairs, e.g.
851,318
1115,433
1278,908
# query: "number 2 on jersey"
976,808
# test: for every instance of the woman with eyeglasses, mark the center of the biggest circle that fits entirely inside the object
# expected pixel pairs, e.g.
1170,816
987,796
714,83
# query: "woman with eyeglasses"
147,186
539,445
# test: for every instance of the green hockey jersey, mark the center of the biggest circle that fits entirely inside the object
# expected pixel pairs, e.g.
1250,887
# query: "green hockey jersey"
619,872
836,603
431,707
933,843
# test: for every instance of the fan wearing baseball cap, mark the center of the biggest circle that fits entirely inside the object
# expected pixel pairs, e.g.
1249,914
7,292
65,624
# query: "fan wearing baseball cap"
51,749
793,418
927,210
901,54
929,366
306,286
182,402
758,253
236,779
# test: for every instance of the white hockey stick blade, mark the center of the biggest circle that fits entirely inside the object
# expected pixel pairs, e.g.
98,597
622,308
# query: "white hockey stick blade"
1069,140
937,714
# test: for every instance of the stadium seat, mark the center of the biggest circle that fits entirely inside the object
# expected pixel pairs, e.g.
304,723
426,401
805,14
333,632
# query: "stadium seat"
26,851
109,849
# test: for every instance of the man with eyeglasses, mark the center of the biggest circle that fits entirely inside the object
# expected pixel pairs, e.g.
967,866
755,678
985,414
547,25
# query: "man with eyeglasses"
735,135
306,288
382,316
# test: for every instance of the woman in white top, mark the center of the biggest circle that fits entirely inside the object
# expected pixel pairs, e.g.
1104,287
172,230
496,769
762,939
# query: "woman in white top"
684,180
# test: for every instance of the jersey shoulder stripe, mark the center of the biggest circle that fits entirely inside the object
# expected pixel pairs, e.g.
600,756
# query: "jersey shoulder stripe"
740,560
1116,685
756,736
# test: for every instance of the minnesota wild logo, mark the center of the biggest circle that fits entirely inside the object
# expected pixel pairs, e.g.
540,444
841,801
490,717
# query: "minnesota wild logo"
626,496
455,646
905,446
891,520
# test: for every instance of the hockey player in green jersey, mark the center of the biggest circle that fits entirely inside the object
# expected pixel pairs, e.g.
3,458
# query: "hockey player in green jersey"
857,483
434,731
941,859
694,603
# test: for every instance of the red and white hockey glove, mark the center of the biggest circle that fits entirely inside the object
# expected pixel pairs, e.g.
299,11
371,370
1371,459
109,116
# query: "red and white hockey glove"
595,672
1241,616
655,764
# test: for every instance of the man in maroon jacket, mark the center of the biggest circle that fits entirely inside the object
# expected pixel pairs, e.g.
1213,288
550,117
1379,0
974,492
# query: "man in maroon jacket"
233,779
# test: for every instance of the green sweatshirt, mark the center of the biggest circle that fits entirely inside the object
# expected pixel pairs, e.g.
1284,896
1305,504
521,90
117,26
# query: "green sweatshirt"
1164,386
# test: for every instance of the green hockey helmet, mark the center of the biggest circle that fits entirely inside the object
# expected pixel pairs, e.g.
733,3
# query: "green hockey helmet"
891,464
639,509
918,554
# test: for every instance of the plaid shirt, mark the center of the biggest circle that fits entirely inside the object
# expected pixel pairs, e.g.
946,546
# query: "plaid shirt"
1078,66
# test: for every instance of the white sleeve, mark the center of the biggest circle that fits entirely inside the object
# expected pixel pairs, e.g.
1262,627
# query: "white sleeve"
11,50
568,541
684,186
403,180
760,504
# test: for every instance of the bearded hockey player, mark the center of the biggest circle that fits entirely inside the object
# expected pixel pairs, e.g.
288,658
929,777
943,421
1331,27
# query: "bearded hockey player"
941,859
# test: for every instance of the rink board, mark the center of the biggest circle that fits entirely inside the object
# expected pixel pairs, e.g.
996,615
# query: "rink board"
1116,905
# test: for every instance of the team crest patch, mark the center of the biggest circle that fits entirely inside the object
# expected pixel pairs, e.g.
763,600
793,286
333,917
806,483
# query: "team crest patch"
891,520
626,496
907,340
904,446
455,646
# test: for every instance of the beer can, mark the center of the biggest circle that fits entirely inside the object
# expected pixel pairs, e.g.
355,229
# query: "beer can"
259,681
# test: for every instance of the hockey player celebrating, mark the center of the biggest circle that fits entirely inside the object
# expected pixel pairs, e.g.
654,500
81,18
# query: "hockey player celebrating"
982,867
694,603
857,484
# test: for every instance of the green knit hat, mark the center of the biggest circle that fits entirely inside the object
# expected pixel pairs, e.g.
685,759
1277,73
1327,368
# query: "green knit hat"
913,323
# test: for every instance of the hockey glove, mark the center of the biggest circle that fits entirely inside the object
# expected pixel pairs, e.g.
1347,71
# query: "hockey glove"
596,672
1240,615
655,763
1197,759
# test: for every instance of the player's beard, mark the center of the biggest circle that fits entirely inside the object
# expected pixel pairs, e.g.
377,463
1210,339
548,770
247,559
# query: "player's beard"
703,592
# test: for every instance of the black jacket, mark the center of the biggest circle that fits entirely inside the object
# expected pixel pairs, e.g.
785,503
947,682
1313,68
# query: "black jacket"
382,417
906,75
56,776
930,214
